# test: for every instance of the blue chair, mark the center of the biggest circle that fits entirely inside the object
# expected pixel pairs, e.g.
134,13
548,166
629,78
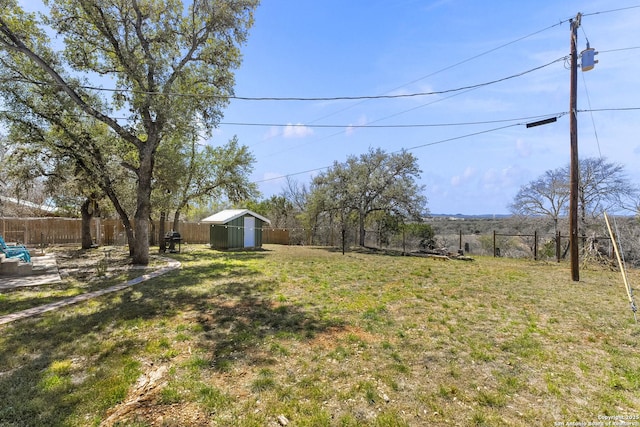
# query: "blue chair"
23,255
15,251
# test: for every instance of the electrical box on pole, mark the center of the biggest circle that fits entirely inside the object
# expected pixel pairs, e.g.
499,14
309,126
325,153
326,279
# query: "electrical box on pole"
588,61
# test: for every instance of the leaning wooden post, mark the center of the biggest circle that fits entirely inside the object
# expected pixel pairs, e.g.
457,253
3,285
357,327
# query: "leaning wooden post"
494,243
404,240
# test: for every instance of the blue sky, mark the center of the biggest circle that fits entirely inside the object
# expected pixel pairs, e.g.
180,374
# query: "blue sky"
337,48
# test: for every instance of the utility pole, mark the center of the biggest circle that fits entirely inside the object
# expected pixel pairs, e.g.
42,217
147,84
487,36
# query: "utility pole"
573,130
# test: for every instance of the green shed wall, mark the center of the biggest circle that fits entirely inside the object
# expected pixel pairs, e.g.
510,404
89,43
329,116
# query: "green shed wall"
218,237
231,234
258,231
236,233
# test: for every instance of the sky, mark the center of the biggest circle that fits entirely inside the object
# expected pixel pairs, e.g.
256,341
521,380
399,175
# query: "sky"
480,153
472,145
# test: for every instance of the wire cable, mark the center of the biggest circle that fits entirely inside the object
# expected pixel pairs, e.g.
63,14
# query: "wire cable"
323,98
593,122
611,10
442,141
396,126
597,110
586,91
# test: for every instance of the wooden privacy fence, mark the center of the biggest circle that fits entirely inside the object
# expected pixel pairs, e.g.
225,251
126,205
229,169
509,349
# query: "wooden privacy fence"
48,231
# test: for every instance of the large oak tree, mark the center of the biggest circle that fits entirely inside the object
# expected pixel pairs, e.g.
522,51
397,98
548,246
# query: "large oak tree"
373,182
170,65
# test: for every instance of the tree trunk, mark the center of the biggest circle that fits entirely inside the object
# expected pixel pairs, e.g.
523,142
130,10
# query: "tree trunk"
143,207
87,214
361,221
107,187
176,220
583,218
161,232
152,232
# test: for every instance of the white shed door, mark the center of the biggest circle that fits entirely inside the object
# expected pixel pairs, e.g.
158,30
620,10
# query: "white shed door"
249,232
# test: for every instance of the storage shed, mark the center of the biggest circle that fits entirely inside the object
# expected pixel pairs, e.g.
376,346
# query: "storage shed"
236,229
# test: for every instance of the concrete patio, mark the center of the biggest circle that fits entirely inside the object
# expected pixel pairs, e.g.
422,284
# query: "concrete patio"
44,272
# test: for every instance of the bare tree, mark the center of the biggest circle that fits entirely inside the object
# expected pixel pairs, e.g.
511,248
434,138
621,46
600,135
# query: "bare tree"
603,186
545,196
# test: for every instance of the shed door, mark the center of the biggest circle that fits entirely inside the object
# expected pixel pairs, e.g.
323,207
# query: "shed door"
249,231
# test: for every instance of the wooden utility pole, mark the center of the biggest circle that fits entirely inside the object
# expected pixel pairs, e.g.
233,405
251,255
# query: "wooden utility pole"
573,130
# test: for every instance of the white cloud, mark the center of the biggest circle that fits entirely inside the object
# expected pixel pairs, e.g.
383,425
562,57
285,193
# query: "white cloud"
362,120
290,131
273,132
523,148
458,180
297,131
500,180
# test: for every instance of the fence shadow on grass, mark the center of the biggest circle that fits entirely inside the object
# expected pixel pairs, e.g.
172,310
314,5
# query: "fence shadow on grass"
59,368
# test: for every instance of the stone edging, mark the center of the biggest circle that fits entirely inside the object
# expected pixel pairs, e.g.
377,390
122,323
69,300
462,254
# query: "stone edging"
34,311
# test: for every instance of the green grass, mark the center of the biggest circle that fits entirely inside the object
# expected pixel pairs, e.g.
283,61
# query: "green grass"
240,338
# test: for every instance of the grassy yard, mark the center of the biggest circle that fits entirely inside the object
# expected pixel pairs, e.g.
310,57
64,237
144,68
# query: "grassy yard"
309,337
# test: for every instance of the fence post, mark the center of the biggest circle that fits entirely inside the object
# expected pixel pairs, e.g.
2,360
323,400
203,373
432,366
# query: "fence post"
558,246
404,240
494,243
535,245
460,242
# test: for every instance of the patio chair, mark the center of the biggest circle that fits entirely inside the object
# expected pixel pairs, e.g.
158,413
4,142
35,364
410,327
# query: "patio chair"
15,251
4,245
22,255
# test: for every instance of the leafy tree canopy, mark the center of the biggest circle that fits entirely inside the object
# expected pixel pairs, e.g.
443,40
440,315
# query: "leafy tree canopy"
167,65
373,182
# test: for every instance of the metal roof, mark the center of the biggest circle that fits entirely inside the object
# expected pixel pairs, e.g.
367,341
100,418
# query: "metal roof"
228,215
30,205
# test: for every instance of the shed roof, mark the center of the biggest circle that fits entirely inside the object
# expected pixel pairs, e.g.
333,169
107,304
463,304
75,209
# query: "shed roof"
228,215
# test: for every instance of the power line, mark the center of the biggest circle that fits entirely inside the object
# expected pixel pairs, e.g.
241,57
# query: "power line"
396,126
442,141
392,126
366,97
451,139
326,98
409,95
455,138
595,110
611,10
593,122
618,50
481,54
